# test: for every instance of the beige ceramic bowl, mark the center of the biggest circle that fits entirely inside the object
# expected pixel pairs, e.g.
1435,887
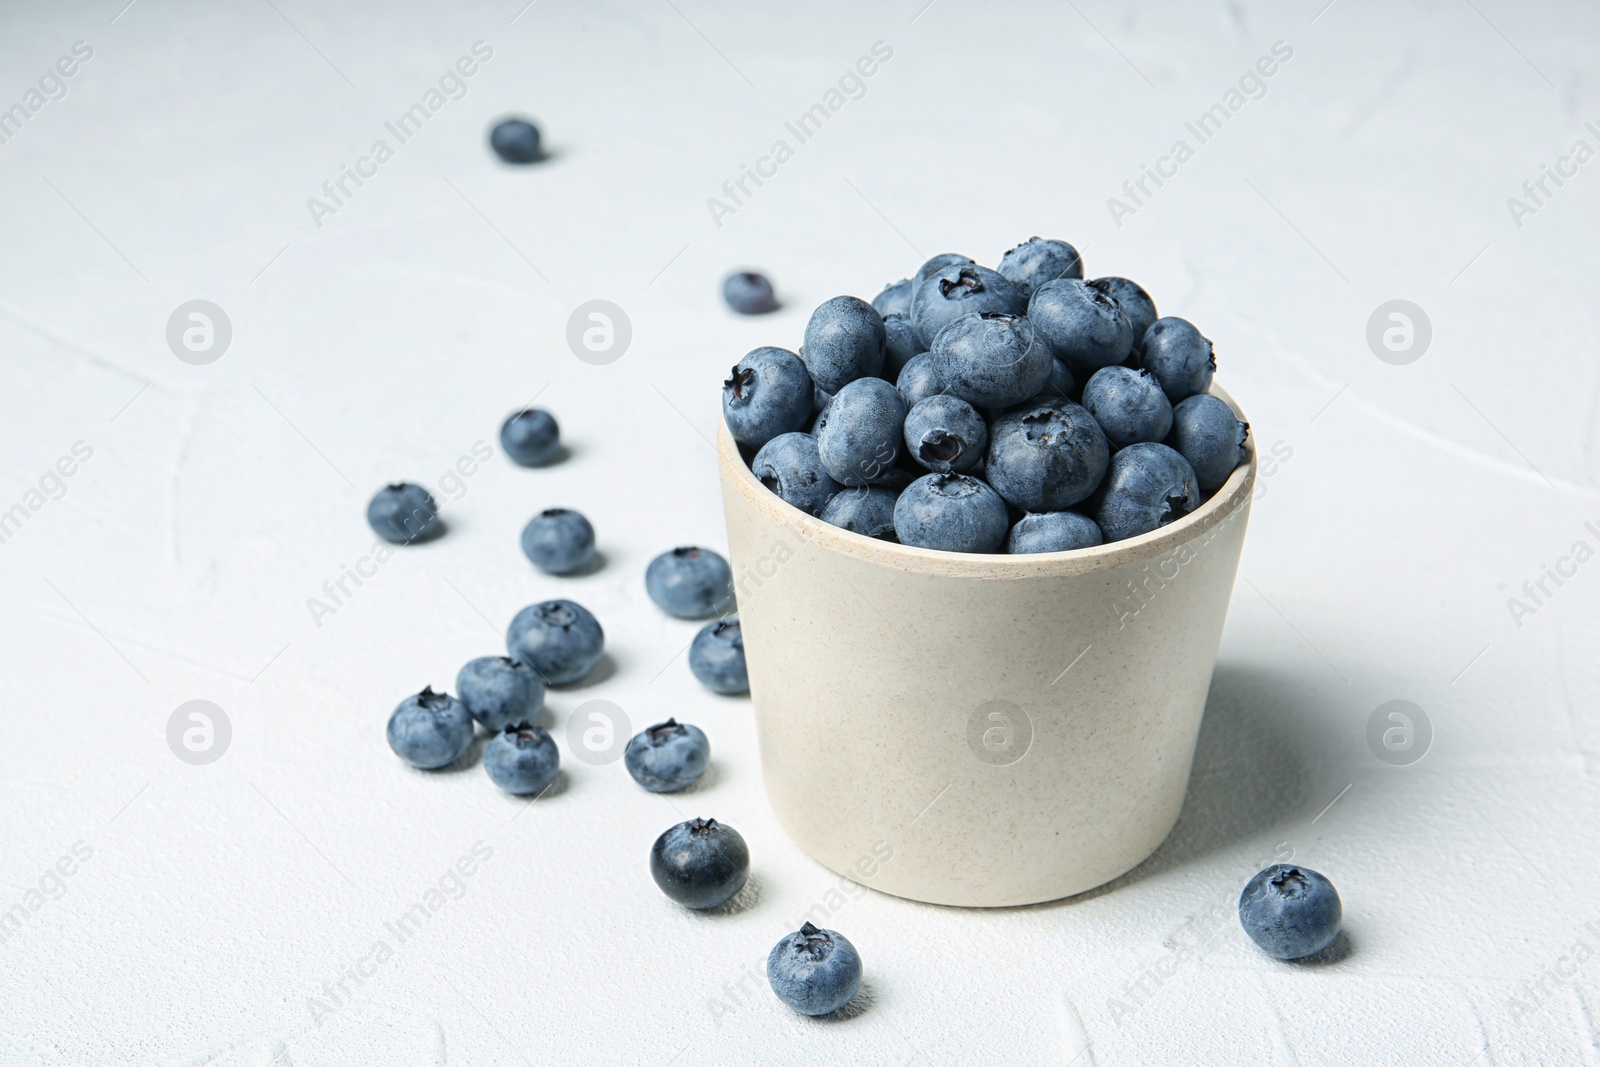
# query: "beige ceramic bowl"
979,730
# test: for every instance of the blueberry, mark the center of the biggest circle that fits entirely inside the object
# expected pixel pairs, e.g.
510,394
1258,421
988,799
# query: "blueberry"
522,759
716,656
951,512
960,290
918,380
430,730
403,513
1081,322
1053,531
499,691
991,360
1148,486
814,971
867,510
1179,356
900,343
1135,302
1290,912
844,341
1046,456
700,863
749,293
668,756
858,433
689,582
531,438
934,266
819,398
1038,260
1206,433
558,541
1128,404
561,640
516,141
895,299
790,466
1060,385
945,433
769,393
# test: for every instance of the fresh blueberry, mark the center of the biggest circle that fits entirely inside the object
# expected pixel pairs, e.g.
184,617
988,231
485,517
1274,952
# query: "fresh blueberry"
403,513
749,293
689,582
558,541
790,466
561,640
1060,385
1206,433
1038,260
895,299
900,344
918,380
430,730
819,398
668,756
959,290
867,510
1128,404
945,433
1136,303
1179,356
858,433
1290,912
1053,531
1046,456
992,360
769,393
522,759
716,656
1148,486
1081,322
951,512
531,438
934,266
500,691
516,141
814,971
844,341
700,863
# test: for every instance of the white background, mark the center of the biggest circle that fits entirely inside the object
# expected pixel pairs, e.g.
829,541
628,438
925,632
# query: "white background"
388,341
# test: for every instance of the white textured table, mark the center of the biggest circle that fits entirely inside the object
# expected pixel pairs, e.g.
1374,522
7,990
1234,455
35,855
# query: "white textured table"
211,913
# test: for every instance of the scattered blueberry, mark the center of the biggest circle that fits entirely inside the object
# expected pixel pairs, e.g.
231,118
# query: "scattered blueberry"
859,432
558,541
531,438
668,756
1135,302
867,510
900,343
1053,531
1290,912
844,341
1206,433
500,691
1128,404
1147,486
1179,356
769,393
689,582
561,640
959,290
992,360
918,380
522,759
716,655
895,298
945,433
1046,456
516,141
700,863
403,513
430,730
790,466
749,293
1081,322
1038,260
951,512
814,971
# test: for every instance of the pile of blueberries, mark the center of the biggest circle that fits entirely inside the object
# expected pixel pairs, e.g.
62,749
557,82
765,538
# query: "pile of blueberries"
1021,409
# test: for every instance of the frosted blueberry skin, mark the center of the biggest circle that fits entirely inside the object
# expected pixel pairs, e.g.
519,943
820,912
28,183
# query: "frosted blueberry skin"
952,513
1179,356
1046,456
991,360
516,141
430,730
1290,912
700,863
945,433
531,438
1082,323
866,510
667,757
403,513
1053,531
918,380
1038,260
791,467
558,541
1206,433
844,340
716,656
895,299
1135,303
560,639
689,582
933,265
900,344
500,691
749,293
859,433
767,393
1147,486
522,759
814,971
1128,404
958,290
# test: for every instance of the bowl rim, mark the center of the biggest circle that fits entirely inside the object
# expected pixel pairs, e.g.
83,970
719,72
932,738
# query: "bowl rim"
1232,498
